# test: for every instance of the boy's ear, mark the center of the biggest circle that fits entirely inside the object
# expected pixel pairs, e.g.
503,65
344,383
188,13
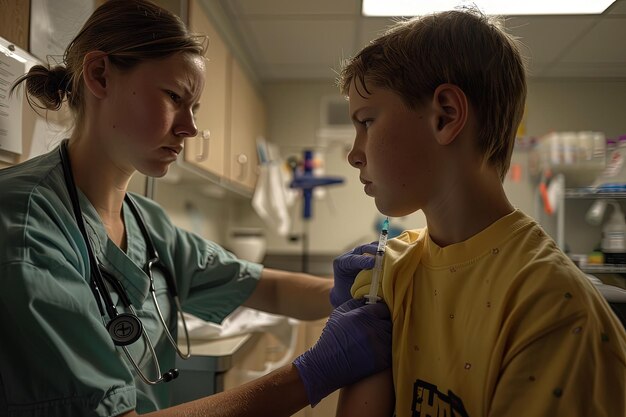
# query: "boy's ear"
96,72
451,107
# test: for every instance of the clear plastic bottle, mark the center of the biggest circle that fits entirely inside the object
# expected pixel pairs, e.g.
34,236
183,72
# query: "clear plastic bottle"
614,236
614,165
621,148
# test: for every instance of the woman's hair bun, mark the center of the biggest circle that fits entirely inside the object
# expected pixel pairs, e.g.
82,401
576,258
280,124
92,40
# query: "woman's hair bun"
49,85
60,78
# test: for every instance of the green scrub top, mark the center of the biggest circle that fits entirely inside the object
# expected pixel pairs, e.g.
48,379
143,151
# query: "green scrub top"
56,356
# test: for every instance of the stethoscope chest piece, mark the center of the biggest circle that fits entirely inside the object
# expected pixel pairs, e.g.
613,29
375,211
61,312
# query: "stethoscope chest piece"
125,329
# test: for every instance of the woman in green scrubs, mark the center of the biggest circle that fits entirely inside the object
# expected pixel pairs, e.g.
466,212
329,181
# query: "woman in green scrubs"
131,78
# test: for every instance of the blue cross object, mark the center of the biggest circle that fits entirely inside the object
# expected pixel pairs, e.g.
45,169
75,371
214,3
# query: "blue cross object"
307,182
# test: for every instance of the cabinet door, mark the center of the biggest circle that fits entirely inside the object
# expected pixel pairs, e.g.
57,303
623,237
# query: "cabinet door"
14,22
206,151
247,123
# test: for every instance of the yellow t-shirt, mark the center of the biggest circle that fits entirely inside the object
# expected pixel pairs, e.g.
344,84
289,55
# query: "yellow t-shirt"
502,324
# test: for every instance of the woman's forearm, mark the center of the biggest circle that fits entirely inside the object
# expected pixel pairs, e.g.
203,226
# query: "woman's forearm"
280,393
297,295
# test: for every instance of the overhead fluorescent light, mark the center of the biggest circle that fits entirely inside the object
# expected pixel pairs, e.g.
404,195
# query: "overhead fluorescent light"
491,7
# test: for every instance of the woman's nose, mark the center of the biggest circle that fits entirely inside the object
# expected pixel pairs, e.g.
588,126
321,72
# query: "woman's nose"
186,125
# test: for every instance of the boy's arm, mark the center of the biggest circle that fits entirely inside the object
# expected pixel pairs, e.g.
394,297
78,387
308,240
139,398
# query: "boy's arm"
372,396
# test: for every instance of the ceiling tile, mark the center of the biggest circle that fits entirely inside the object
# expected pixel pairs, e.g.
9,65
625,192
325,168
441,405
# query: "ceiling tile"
604,43
543,38
297,39
299,72
297,42
372,28
618,8
297,7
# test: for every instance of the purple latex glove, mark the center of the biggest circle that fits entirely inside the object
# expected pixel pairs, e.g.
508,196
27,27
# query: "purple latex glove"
345,269
355,343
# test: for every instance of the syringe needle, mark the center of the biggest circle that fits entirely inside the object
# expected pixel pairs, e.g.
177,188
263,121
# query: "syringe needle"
373,297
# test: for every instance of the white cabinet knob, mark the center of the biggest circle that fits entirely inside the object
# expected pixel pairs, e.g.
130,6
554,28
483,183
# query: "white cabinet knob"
242,159
203,154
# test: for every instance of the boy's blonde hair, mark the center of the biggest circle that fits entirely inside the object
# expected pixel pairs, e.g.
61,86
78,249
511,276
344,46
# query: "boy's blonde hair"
461,47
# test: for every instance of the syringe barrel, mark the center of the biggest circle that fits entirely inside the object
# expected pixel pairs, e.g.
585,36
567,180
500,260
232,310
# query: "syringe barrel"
378,262
382,243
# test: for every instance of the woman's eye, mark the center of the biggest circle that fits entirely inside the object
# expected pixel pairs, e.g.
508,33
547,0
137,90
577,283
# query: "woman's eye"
175,97
367,123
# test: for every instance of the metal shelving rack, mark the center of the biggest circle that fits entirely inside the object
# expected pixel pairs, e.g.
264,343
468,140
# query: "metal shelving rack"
603,269
588,194
583,193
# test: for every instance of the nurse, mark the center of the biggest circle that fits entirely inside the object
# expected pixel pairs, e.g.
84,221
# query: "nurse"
92,278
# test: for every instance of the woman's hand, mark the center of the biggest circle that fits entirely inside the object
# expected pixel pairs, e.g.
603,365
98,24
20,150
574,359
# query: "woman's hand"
355,343
345,269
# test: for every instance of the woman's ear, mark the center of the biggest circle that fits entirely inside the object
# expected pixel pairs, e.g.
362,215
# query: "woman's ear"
451,108
96,72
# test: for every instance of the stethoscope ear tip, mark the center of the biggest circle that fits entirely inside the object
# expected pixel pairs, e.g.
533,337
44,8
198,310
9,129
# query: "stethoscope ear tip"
170,375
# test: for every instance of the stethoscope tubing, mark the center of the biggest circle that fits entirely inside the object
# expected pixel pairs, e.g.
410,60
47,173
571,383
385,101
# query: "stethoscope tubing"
119,323
97,281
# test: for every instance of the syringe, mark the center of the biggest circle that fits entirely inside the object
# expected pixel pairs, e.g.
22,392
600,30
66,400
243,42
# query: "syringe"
373,297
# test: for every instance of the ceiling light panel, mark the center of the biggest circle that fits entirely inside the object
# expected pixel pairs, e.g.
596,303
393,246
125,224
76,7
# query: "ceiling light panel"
493,7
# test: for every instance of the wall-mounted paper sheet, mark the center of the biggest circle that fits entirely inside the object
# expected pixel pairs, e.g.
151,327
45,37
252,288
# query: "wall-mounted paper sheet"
11,67
53,24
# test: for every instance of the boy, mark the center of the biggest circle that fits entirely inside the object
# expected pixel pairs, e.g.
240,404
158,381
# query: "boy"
490,318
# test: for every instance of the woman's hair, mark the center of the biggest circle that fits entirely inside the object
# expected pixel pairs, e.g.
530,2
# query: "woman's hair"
461,47
128,31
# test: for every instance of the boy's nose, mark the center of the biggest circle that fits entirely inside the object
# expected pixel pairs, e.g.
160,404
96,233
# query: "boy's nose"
356,158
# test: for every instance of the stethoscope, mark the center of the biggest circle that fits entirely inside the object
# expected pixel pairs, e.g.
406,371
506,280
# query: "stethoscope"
126,328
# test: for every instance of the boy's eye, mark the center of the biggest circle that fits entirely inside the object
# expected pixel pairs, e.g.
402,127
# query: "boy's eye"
367,123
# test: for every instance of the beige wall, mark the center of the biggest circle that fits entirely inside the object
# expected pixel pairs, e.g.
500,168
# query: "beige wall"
577,105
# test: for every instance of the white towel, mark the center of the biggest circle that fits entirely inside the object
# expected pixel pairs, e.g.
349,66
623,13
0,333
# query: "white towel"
272,197
241,321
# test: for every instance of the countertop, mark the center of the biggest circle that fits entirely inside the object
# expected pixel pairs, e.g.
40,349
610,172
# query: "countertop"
214,354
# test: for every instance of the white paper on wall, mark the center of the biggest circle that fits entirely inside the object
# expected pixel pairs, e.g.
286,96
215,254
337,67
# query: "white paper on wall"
54,23
11,67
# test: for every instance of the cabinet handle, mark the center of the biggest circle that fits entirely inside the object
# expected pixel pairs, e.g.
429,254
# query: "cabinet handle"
242,159
204,146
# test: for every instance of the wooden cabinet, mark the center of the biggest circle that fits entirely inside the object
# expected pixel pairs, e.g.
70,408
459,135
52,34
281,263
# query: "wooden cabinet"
247,123
206,151
14,22
231,114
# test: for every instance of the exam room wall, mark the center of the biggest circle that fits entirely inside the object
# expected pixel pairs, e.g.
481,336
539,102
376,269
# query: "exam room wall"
346,217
